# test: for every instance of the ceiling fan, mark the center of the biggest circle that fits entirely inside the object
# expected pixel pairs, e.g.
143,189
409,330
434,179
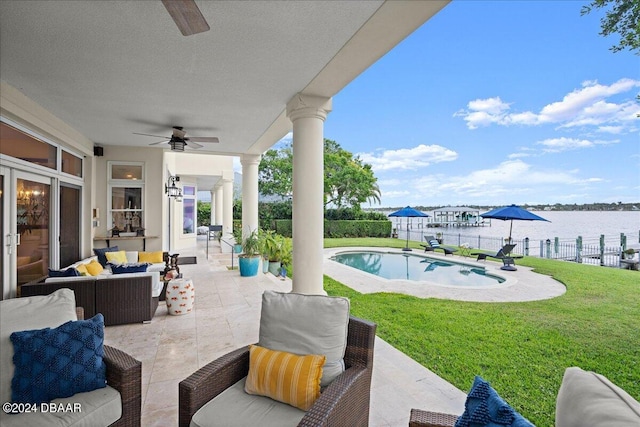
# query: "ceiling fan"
177,141
187,16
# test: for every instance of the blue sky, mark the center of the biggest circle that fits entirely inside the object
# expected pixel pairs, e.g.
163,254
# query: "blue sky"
500,102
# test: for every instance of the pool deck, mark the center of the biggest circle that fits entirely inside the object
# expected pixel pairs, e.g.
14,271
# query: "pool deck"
226,316
520,285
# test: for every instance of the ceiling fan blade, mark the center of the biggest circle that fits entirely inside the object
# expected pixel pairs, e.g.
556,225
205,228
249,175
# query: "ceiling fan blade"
146,134
203,139
164,141
187,16
194,145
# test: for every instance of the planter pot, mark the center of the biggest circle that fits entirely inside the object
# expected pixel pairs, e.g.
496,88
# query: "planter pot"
248,266
274,267
237,249
265,265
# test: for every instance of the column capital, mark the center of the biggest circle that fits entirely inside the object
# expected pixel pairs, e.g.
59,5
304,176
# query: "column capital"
312,106
250,159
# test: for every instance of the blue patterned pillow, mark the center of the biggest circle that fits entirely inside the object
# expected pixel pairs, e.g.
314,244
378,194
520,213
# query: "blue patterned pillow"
129,268
102,258
485,408
53,363
68,272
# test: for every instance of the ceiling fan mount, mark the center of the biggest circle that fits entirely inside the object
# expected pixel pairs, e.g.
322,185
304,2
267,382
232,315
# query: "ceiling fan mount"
178,141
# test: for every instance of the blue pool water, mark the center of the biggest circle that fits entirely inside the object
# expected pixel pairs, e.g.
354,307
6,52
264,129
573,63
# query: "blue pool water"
413,267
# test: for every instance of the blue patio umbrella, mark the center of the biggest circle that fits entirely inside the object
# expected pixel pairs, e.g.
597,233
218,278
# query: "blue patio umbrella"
408,212
512,212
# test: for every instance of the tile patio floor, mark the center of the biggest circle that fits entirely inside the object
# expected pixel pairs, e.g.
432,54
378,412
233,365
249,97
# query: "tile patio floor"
226,317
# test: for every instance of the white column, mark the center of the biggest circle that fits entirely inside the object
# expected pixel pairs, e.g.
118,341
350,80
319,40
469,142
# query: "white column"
249,164
227,207
218,205
307,113
212,214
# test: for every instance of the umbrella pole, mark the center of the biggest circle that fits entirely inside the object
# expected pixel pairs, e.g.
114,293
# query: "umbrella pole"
406,248
510,228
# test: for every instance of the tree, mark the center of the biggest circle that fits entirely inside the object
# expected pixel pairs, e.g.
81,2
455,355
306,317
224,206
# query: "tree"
347,181
204,213
623,18
275,173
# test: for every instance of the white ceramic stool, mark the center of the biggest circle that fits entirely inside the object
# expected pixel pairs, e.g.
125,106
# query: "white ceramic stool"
180,296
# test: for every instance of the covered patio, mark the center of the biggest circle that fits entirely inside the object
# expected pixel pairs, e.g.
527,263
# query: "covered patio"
226,316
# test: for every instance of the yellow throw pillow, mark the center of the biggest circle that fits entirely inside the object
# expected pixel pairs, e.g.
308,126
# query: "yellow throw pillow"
82,269
94,268
119,257
152,257
284,377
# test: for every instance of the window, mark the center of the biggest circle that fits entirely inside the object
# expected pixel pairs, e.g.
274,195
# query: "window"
188,209
18,144
71,164
126,204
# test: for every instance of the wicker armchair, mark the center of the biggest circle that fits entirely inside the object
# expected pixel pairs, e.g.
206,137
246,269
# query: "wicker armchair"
345,402
124,373
420,418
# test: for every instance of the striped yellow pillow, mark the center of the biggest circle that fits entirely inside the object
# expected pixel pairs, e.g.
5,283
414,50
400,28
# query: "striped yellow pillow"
152,257
284,377
119,257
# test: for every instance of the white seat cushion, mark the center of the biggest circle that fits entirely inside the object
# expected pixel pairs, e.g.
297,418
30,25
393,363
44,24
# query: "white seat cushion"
235,408
101,407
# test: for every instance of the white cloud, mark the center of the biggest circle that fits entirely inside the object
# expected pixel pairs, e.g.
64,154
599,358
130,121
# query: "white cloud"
586,106
611,129
408,158
503,182
557,145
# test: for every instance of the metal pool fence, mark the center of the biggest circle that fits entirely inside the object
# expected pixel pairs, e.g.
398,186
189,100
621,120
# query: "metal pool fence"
585,251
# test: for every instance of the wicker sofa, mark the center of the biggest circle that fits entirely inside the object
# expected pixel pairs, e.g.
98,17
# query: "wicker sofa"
117,405
122,298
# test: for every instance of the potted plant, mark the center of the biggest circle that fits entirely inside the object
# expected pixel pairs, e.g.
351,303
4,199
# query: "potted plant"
249,260
237,237
286,256
274,244
629,253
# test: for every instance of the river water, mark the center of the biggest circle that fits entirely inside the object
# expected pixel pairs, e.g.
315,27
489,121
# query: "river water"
566,225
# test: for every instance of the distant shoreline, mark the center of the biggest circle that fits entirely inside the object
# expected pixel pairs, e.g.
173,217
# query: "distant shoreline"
593,207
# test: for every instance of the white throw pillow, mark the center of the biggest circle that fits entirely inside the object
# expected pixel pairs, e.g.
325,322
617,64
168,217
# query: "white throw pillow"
306,324
586,398
22,314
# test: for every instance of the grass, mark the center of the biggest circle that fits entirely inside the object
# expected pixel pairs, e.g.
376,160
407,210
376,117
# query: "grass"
523,348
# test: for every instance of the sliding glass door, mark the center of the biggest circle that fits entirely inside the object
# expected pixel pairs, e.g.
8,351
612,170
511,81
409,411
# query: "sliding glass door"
69,225
32,240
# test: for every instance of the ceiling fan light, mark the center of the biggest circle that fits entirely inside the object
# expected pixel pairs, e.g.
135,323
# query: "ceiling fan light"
177,144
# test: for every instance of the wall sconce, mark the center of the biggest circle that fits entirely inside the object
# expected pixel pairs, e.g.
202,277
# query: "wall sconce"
172,190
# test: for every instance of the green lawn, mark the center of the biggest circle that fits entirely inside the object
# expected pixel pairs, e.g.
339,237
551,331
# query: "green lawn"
522,349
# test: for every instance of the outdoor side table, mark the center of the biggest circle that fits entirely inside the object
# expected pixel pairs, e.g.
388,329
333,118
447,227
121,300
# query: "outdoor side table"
465,250
180,296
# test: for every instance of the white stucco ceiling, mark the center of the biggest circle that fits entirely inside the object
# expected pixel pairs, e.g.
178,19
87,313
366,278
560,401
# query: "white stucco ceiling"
112,68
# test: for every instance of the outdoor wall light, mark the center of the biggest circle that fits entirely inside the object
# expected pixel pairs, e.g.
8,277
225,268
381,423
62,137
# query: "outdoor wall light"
172,190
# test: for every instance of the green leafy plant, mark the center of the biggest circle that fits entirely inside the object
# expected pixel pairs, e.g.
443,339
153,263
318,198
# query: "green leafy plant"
251,245
273,246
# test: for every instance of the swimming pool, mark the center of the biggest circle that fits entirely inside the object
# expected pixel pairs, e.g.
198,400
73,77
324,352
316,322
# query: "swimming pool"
391,265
